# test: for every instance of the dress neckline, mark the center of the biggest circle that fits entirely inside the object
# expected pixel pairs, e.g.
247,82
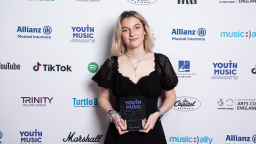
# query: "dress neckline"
139,78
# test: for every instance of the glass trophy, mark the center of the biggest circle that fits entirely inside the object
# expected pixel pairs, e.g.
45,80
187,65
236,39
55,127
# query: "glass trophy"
133,110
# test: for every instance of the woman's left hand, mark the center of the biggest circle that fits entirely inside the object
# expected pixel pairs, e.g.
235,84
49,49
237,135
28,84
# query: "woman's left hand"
150,122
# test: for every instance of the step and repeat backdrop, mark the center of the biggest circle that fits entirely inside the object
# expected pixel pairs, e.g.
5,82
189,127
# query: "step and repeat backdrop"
50,50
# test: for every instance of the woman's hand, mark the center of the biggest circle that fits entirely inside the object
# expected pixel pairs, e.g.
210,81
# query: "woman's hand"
119,123
150,123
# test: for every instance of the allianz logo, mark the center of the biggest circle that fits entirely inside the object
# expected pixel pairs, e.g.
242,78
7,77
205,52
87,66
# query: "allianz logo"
195,139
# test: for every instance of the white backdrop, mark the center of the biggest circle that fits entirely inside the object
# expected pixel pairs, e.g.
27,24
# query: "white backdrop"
214,119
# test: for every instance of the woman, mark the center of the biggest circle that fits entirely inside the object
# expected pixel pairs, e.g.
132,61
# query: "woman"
134,70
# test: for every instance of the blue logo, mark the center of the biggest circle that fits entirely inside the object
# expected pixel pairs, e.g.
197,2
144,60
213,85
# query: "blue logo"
184,66
254,138
1,134
85,102
248,34
47,30
201,32
31,136
195,139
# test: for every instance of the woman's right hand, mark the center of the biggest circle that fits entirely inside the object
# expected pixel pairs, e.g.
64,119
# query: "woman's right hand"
119,123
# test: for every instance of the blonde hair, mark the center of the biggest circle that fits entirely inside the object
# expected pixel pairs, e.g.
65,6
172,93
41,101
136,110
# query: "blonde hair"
118,46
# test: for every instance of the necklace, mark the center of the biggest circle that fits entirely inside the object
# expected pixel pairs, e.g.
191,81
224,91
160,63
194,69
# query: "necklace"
135,68
134,57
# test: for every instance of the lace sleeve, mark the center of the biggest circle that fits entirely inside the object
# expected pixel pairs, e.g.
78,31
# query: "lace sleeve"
168,77
104,76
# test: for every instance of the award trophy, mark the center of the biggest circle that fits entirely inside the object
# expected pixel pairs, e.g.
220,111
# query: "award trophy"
133,110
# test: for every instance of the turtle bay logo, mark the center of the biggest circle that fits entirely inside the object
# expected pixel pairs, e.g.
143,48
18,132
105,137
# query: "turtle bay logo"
190,35
85,102
184,69
187,1
186,104
52,68
72,138
1,136
36,33
93,67
142,2
9,66
28,137
249,34
225,71
83,34
188,139
227,104
36,101
254,70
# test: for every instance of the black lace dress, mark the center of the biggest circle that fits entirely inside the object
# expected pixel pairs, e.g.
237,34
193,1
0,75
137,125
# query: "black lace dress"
163,77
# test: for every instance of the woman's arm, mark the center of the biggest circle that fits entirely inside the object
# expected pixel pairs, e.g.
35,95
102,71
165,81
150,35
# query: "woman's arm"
169,101
167,105
104,102
105,105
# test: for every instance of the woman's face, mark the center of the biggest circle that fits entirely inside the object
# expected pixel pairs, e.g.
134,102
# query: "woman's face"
132,32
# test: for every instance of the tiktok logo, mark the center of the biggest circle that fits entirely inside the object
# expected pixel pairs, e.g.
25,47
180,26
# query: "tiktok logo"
36,67
53,68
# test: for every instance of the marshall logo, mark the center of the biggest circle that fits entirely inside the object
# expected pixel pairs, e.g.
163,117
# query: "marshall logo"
71,138
186,104
187,1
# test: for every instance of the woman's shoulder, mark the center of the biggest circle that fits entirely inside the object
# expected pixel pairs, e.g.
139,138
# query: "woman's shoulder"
161,57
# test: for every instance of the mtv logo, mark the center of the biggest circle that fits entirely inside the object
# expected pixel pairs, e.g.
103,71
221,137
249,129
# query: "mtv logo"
184,66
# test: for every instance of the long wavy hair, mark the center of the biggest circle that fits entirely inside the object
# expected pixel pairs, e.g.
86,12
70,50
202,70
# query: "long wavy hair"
118,46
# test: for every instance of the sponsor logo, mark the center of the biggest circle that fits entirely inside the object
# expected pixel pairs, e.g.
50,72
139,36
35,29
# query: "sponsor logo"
9,66
187,1
83,34
254,138
238,138
188,139
237,1
35,33
36,101
88,0
236,104
254,70
226,71
227,1
184,69
93,67
71,138
28,137
246,104
51,68
186,104
85,102
1,136
190,34
37,0
228,104
142,2
238,34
